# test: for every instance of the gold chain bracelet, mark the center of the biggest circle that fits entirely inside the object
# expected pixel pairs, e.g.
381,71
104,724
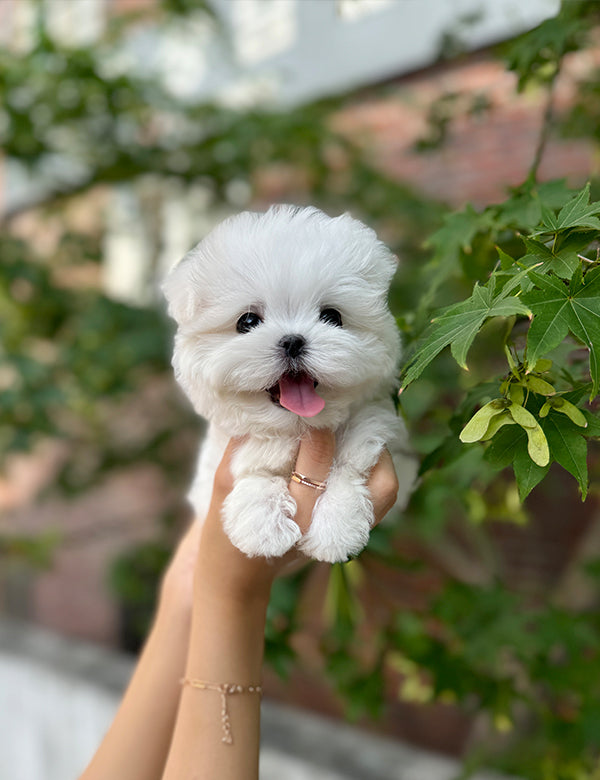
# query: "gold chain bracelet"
225,689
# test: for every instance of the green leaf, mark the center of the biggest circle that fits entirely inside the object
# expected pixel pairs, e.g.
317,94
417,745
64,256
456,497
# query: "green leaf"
482,307
451,242
579,212
536,55
554,193
569,448
593,424
455,236
506,261
459,324
501,450
549,220
527,473
510,446
558,309
563,261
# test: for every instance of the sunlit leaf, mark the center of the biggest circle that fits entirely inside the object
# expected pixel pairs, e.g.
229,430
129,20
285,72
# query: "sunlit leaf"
497,422
522,416
479,423
539,385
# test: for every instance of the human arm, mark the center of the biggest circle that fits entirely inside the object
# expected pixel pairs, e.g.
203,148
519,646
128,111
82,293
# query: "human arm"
227,638
137,744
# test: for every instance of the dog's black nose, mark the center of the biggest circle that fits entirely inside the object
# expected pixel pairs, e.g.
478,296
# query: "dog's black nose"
293,345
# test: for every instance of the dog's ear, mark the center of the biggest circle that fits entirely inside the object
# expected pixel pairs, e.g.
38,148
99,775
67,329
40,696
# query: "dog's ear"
393,266
386,264
181,290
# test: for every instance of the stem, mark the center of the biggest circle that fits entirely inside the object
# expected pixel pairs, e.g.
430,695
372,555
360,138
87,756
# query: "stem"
546,129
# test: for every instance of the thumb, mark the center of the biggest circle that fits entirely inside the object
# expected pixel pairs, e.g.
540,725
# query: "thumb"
314,460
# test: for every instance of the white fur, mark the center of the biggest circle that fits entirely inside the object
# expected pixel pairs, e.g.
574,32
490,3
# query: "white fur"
287,265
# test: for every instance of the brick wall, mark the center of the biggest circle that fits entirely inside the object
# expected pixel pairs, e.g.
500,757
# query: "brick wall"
483,154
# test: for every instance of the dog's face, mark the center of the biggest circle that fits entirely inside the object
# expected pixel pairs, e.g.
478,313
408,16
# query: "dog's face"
283,320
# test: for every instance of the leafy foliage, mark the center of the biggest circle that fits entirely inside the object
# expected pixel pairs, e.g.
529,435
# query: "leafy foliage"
537,55
133,579
64,355
553,290
510,658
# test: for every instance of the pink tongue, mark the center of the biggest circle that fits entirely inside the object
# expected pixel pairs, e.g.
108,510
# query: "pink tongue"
298,395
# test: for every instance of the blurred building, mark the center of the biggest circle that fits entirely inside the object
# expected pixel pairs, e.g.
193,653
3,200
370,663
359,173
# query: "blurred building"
281,53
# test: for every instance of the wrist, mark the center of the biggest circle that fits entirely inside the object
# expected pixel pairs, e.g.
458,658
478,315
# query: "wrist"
233,579
231,592
227,635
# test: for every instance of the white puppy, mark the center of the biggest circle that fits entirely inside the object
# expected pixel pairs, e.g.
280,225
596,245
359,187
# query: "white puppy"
284,326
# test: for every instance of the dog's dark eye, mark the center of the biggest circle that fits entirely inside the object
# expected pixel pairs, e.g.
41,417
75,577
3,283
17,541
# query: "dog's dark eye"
331,317
247,321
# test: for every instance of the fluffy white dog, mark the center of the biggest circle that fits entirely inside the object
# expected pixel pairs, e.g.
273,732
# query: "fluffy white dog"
283,326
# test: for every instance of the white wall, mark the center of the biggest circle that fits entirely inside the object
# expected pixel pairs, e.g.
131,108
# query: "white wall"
336,45
58,697
50,722
287,52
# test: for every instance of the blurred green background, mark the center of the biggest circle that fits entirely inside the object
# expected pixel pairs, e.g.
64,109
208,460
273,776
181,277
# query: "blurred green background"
470,624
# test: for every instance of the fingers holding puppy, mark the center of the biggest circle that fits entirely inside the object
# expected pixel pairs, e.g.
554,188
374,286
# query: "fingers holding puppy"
314,460
383,486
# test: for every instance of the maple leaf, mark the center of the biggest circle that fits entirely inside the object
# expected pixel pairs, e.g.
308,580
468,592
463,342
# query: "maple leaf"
560,308
459,324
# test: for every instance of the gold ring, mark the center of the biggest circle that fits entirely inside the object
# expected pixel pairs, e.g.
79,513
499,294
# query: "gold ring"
303,480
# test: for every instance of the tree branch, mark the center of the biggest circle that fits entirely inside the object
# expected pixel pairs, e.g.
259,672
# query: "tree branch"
546,129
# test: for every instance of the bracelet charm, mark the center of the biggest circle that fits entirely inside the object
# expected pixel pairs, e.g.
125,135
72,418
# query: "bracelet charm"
225,689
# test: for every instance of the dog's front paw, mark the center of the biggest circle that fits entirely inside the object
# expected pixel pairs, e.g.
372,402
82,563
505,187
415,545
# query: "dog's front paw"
341,521
258,517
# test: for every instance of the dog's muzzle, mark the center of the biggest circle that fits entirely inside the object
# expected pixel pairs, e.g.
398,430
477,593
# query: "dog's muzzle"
293,345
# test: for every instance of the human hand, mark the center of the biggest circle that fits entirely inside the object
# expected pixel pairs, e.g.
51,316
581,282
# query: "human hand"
241,577
255,575
314,456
